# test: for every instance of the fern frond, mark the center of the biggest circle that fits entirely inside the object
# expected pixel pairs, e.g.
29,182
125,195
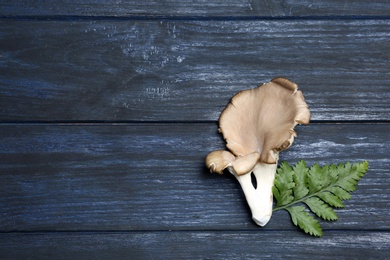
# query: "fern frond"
331,199
283,184
319,188
321,209
301,218
300,179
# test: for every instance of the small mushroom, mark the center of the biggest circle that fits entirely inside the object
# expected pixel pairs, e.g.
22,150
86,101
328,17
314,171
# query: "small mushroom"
257,124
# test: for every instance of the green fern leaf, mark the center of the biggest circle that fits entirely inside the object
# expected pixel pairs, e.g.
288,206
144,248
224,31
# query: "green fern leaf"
300,179
350,175
301,218
321,209
331,199
333,174
339,192
283,184
315,179
319,188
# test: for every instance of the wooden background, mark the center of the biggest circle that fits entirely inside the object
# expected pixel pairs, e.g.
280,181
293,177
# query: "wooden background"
108,109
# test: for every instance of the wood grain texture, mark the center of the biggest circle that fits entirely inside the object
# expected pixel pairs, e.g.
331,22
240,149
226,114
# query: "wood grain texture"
108,109
152,177
196,245
188,70
199,8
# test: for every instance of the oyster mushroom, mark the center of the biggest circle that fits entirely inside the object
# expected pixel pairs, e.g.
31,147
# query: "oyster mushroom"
257,124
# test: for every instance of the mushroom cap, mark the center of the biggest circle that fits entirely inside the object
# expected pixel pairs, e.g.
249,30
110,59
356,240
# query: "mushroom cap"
262,119
219,160
245,164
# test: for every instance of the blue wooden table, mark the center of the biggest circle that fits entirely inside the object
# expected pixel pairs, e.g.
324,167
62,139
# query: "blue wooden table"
108,109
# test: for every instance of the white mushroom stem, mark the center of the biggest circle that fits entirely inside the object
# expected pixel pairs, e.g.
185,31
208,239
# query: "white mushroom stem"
257,124
260,199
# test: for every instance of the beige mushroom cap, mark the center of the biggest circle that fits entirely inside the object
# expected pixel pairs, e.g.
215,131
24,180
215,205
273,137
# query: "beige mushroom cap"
262,119
219,160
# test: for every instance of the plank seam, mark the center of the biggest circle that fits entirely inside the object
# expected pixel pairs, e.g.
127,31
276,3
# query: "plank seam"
184,122
188,18
382,230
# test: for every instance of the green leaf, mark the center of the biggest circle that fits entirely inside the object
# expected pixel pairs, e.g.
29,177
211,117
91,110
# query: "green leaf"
305,221
340,193
321,209
319,188
331,199
332,171
283,184
300,179
315,179
350,175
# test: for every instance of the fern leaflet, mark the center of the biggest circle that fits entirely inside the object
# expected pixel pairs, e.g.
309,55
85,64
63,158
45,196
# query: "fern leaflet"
319,188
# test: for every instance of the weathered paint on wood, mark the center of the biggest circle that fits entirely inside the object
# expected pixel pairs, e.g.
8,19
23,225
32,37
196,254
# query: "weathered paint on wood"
259,244
199,8
188,70
152,177
119,188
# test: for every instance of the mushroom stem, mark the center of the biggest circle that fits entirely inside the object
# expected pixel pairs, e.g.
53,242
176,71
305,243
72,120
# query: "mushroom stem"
257,124
260,199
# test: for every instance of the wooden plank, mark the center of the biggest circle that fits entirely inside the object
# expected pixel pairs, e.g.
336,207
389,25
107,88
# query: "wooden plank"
152,177
196,245
188,70
200,8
